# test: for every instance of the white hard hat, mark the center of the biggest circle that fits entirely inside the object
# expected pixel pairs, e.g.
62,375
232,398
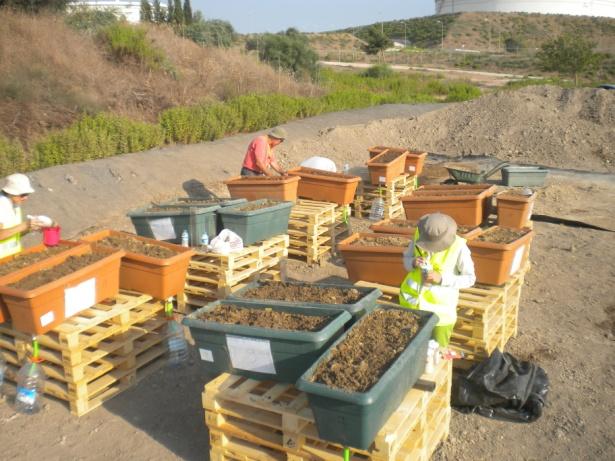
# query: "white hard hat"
17,184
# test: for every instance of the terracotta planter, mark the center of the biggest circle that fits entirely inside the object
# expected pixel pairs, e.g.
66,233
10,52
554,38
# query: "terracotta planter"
515,210
415,161
387,226
377,150
495,263
373,264
159,278
257,187
468,207
327,187
41,309
381,172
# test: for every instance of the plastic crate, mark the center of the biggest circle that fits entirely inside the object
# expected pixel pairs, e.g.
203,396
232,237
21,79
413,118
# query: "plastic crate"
524,176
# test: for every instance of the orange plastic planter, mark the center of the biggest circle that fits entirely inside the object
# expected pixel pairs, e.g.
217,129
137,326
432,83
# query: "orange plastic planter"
330,187
415,161
159,278
468,208
515,210
373,264
388,226
39,310
257,187
383,173
495,263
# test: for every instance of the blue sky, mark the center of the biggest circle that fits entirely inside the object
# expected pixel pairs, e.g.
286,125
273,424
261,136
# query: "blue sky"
309,15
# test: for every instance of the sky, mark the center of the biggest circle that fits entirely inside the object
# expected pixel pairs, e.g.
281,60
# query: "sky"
309,15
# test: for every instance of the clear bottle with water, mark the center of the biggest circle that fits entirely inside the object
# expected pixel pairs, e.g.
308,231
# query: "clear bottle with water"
176,340
376,213
30,381
346,169
204,239
283,270
185,238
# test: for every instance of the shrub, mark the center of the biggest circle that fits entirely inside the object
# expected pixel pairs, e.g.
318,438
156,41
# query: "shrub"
12,157
378,71
130,42
90,21
460,91
210,33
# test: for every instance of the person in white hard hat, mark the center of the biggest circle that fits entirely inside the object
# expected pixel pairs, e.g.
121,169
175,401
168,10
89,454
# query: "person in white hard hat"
12,225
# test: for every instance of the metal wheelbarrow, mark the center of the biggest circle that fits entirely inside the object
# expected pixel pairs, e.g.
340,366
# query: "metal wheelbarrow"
471,177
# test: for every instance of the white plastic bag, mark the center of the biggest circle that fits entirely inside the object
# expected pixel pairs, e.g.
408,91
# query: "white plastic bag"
226,242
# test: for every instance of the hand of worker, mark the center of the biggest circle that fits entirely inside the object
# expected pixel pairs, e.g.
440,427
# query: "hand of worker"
418,262
433,277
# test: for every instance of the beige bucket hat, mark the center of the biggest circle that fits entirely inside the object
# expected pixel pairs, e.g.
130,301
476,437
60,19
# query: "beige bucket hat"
436,232
17,184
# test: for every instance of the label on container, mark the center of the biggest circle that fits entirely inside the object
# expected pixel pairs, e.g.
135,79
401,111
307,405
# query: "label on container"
382,179
206,355
47,318
516,262
79,297
250,354
411,168
162,228
26,396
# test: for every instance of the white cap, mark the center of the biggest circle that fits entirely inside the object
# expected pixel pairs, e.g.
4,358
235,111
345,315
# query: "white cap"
17,184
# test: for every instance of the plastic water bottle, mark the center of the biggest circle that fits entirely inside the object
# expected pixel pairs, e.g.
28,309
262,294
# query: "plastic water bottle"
176,341
30,380
185,238
377,211
283,270
204,239
346,169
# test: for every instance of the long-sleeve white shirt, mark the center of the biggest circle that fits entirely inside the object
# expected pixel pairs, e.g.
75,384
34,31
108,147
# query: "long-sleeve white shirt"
464,276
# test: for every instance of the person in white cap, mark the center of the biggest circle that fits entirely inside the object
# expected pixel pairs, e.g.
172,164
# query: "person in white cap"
259,156
439,264
12,225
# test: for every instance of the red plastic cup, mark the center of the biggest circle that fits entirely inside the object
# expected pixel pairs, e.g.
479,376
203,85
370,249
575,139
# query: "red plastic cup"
51,236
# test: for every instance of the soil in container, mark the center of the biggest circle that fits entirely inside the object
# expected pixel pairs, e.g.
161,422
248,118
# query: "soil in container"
280,291
263,178
503,235
383,241
257,206
157,209
25,260
388,157
314,171
515,193
134,245
72,264
265,318
358,362
437,193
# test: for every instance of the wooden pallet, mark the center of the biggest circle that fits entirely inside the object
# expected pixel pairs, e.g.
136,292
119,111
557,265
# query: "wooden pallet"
212,276
95,355
255,420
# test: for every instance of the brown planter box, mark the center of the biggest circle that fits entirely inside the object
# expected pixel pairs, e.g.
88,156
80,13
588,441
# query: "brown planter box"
386,226
467,209
385,172
70,249
328,187
515,210
373,264
415,161
159,278
495,263
257,187
43,308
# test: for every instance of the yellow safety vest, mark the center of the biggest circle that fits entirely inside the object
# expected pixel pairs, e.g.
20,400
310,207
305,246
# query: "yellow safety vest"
12,245
433,298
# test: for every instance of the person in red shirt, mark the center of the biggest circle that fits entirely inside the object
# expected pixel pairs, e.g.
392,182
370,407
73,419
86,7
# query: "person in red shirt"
260,156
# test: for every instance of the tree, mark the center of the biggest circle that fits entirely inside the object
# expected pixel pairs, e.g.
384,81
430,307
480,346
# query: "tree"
210,33
569,55
170,12
158,13
512,45
178,12
187,12
146,11
377,42
36,6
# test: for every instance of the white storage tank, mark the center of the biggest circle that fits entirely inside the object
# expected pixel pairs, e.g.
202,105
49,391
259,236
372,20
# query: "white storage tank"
572,7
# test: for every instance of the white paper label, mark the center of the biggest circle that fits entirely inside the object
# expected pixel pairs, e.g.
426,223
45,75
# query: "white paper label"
516,262
47,318
206,355
250,354
79,297
162,229
411,168
383,179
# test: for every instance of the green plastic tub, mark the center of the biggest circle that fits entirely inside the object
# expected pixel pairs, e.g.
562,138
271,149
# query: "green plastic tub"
254,226
168,225
201,202
263,353
366,304
524,175
353,419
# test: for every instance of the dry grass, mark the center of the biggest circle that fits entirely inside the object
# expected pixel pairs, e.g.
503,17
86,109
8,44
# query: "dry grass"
50,75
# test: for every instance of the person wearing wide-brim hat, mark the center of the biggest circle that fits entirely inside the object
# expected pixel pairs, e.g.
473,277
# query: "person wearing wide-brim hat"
260,158
439,264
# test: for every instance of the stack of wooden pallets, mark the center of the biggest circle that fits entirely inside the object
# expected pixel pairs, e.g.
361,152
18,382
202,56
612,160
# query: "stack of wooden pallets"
97,353
391,193
213,276
255,420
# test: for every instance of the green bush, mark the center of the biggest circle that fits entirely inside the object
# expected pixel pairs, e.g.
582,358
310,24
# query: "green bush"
91,21
13,158
378,71
130,42
460,91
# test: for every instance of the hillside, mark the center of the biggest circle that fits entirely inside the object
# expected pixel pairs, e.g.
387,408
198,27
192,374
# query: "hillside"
51,74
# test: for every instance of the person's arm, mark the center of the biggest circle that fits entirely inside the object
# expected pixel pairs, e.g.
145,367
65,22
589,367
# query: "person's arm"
18,229
465,276
409,257
276,166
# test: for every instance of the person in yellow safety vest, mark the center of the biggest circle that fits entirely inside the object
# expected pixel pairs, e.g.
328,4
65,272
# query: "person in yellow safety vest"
12,225
259,156
439,264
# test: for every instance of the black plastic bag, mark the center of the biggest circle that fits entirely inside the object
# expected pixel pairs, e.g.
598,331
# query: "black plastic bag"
502,387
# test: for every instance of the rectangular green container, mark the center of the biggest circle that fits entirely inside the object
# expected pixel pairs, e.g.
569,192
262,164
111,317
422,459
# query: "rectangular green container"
168,225
353,419
262,353
257,225
203,202
514,175
366,304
